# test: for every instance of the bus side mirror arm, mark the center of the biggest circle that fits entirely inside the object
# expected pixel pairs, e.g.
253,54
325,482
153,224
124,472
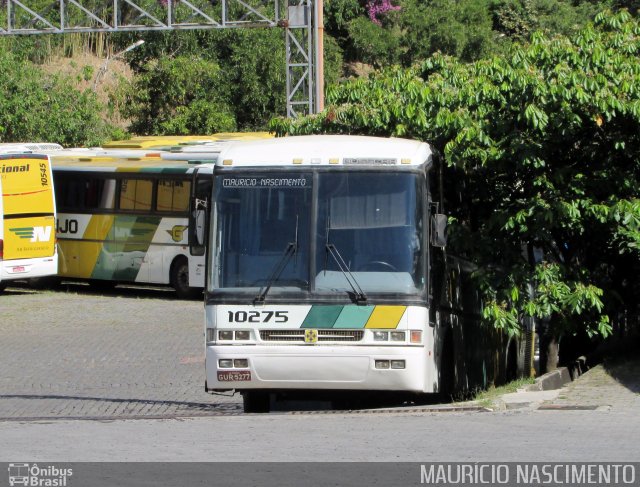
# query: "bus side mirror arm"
439,230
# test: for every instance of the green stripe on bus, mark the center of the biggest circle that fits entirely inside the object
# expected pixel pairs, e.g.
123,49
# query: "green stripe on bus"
128,243
322,316
354,316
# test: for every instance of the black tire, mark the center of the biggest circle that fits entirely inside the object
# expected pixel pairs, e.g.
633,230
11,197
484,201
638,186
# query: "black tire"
256,401
101,285
179,278
48,282
3,286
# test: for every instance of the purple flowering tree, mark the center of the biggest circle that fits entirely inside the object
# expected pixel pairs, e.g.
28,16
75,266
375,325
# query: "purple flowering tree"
378,7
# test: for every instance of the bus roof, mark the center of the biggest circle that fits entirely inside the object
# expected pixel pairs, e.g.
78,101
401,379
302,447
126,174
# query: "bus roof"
17,147
103,163
169,141
347,150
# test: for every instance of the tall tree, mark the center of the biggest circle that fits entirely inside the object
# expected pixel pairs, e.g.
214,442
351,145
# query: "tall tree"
547,139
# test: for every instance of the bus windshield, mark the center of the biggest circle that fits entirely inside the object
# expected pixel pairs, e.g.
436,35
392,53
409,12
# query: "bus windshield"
258,217
365,235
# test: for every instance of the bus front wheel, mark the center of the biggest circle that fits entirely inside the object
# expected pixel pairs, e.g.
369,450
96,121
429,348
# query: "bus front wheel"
256,401
179,278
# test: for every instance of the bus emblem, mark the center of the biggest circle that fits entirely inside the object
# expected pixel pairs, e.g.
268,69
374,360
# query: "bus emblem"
34,234
177,232
311,336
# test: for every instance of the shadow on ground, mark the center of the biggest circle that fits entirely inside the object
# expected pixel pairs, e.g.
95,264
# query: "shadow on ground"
626,370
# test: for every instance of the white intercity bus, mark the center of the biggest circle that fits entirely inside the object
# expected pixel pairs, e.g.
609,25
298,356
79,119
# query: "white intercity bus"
327,272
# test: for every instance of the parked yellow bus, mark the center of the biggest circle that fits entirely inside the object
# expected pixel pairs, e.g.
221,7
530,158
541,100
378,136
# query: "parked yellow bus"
27,218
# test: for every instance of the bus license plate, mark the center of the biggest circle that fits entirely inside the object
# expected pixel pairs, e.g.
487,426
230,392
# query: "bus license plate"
18,268
234,376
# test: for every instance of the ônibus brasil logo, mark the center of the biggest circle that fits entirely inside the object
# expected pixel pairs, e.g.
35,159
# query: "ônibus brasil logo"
35,476
34,234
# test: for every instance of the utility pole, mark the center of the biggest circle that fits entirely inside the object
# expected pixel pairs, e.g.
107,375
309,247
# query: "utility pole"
319,53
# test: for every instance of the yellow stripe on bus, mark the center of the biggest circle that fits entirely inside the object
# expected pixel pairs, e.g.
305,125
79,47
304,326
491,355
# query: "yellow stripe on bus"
78,258
385,317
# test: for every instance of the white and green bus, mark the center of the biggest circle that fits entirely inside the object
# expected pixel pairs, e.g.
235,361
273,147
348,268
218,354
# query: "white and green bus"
124,209
125,220
327,272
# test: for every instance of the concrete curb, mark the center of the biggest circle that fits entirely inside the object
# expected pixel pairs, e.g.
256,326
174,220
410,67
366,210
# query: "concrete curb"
551,380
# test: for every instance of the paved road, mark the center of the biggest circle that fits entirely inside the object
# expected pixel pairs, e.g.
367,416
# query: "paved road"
138,354
130,353
503,436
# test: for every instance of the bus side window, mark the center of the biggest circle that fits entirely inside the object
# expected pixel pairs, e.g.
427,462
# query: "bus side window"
99,193
470,294
173,195
136,194
437,274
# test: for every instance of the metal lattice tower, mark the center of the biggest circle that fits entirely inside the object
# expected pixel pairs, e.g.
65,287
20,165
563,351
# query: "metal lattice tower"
22,17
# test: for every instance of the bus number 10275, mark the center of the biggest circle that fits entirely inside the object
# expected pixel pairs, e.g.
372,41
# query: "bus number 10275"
258,316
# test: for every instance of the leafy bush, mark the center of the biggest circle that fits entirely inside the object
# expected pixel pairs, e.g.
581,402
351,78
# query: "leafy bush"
180,96
37,107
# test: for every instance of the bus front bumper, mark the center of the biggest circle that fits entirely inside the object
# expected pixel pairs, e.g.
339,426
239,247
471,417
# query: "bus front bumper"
382,368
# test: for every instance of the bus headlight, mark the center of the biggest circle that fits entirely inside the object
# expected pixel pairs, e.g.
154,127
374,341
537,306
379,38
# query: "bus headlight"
225,335
240,363
397,364
380,336
243,335
225,363
397,336
382,364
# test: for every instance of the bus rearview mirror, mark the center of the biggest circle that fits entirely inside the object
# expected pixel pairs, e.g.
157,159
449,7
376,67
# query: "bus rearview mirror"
439,230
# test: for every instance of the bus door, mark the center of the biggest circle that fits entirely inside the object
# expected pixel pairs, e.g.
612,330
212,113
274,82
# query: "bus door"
199,211
171,239
28,209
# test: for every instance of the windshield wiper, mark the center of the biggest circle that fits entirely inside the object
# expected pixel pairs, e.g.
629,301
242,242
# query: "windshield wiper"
290,250
359,296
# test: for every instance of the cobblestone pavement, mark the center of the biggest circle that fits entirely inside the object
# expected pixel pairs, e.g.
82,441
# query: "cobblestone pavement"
138,353
610,386
131,353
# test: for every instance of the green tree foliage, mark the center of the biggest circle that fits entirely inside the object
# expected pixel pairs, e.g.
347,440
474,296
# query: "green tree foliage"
467,29
183,95
518,19
242,72
374,44
37,107
546,145
462,29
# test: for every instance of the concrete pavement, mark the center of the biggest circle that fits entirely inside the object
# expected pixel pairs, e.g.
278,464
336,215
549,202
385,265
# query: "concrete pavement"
612,385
